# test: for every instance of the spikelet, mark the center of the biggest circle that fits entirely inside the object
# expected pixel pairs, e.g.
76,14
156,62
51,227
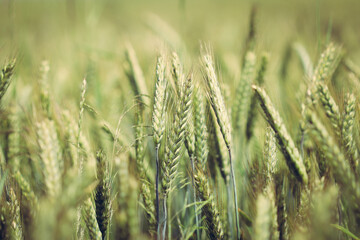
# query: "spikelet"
331,109
270,154
171,161
286,144
201,148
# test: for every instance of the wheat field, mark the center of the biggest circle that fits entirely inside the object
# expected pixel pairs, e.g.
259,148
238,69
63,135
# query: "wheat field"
179,119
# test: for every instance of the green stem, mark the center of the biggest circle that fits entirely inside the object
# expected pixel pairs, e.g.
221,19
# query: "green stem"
157,192
195,199
235,195
165,219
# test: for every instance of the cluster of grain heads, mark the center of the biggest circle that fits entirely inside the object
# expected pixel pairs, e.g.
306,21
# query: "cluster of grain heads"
222,117
291,153
185,112
336,160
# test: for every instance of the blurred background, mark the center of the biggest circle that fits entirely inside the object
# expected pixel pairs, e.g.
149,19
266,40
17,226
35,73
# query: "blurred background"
87,38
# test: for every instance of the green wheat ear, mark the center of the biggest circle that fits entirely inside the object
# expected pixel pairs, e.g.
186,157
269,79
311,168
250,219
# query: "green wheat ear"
89,217
201,134
327,63
217,100
5,77
243,92
292,156
335,159
218,105
102,194
348,122
51,157
214,226
145,184
252,113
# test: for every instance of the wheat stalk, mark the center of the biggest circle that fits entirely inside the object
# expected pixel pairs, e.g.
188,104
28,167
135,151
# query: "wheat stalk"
158,122
218,105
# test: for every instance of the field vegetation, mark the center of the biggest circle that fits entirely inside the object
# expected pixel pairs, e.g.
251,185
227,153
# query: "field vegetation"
179,120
